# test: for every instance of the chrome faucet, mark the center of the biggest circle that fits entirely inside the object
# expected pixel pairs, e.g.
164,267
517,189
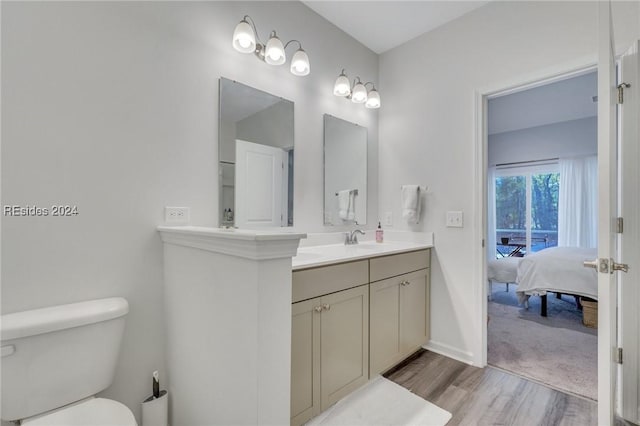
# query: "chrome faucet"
351,238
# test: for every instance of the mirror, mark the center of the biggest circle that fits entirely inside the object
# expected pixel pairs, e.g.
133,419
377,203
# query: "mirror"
255,157
345,172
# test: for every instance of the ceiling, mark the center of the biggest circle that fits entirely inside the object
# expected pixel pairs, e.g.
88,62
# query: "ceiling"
242,101
383,25
565,100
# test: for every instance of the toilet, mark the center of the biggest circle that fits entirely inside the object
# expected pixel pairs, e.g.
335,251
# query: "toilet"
55,359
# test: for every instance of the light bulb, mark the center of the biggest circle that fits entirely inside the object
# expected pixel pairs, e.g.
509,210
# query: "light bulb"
244,40
300,63
373,99
359,94
342,86
274,51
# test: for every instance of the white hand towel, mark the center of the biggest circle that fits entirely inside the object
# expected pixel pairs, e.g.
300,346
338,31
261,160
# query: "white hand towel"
411,203
344,198
351,211
347,204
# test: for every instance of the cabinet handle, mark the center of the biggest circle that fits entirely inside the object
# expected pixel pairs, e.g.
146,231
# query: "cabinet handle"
405,282
326,307
318,309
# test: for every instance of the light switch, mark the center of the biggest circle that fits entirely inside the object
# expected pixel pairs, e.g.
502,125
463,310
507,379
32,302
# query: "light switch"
454,220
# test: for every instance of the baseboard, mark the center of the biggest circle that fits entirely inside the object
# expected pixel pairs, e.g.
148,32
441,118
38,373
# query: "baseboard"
449,351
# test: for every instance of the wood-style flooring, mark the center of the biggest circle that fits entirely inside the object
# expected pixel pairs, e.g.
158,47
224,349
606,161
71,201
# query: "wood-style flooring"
488,396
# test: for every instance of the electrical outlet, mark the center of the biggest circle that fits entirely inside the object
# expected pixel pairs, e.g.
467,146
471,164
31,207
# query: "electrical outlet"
176,215
454,220
388,219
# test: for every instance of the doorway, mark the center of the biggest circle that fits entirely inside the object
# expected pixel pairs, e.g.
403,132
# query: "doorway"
542,186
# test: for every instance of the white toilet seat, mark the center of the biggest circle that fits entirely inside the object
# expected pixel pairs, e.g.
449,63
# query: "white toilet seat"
91,412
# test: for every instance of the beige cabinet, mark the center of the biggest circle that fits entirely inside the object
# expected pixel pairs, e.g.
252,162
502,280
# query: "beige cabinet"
345,330
399,314
305,354
330,350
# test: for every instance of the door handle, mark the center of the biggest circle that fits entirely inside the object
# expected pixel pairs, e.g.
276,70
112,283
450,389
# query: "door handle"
600,265
603,265
620,267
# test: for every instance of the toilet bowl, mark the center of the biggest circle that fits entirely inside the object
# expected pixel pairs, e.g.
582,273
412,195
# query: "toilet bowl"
90,412
56,359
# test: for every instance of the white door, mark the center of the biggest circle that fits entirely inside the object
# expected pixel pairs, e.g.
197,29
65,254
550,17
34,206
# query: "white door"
607,212
629,320
260,172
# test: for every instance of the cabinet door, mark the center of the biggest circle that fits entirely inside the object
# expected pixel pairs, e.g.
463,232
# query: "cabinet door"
414,311
384,317
344,343
305,360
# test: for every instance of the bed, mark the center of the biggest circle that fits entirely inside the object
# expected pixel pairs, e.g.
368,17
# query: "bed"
559,270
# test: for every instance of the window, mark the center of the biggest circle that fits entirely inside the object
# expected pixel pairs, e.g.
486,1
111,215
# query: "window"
526,209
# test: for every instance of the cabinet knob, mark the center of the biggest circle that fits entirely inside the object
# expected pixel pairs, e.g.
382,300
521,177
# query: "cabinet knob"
326,307
318,309
405,282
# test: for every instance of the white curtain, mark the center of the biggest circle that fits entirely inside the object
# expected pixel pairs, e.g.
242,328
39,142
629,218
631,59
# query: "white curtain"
491,213
578,202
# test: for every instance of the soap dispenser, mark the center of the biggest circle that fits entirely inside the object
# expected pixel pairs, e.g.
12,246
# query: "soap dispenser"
379,234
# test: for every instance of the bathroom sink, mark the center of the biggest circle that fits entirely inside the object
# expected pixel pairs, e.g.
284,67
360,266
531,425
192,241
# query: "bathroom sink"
364,247
311,256
303,257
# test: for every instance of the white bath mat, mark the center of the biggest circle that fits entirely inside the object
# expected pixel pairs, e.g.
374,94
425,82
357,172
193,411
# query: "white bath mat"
382,403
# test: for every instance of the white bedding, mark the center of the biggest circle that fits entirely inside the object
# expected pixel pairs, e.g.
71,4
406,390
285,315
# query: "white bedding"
503,270
557,269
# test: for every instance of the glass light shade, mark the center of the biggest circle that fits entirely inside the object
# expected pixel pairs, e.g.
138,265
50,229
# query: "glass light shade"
359,94
342,86
373,99
274,52
300,63
244,40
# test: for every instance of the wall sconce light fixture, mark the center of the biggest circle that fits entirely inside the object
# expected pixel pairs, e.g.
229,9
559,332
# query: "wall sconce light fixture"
358,93
246,40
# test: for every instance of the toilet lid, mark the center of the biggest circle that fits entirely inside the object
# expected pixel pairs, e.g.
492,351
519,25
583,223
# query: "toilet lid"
92,412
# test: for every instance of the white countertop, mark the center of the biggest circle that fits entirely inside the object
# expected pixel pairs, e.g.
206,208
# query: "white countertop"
266,234
312,256
273,243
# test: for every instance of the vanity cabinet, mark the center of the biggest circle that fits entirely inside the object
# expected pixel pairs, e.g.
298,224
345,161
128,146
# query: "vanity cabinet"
352,321
399,319
399,308
330,338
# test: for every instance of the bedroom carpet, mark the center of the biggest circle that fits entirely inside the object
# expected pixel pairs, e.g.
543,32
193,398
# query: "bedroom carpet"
557,350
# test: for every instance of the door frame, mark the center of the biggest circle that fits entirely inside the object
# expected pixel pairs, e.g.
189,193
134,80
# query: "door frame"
482,95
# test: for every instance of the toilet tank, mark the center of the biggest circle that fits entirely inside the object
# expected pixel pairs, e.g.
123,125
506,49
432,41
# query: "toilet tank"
58,355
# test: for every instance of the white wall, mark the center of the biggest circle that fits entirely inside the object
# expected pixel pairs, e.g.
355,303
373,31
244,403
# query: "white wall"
113,107
567,139
427,128
269,126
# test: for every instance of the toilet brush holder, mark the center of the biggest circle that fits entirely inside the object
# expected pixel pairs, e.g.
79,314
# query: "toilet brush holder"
155,411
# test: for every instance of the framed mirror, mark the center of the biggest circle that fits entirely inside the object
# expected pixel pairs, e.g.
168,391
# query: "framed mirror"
345,172
255,157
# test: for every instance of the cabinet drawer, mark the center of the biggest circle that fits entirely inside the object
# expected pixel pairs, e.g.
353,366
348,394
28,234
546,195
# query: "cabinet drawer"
310,283
398,264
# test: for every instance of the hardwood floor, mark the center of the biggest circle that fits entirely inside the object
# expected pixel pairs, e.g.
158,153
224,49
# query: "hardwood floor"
488,396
